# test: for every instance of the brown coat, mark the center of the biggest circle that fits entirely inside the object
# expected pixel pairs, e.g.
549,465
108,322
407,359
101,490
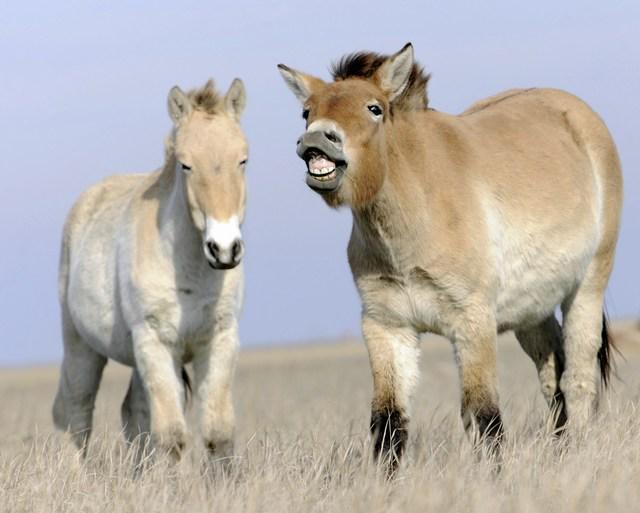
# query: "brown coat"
467,226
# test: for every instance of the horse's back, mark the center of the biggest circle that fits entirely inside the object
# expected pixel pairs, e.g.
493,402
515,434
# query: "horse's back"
551,193
98,207
546,112
534,181
493,100
546,150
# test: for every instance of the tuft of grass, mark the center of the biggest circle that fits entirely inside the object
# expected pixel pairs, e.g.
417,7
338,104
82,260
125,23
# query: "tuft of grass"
303,446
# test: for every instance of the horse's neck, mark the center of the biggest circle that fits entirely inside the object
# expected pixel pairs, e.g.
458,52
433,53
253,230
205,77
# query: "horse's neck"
382,228
178,234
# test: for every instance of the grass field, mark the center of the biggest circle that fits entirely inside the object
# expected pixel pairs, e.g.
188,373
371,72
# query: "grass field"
302,444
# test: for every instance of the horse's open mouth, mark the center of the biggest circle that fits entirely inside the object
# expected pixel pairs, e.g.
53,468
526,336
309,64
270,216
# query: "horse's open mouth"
323,174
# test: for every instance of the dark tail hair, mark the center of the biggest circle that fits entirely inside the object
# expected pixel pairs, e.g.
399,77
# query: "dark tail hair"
605,357
188,391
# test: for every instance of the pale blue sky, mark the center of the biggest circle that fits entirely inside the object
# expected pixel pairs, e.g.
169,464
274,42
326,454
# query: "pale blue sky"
84,83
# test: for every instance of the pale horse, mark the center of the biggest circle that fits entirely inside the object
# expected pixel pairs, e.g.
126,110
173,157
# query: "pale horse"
151,276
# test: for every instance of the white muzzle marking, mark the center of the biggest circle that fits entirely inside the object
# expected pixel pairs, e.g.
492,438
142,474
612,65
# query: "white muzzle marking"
223,241
326,125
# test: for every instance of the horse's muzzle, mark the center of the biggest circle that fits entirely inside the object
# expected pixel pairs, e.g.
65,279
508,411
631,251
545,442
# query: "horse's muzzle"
323,152
221,257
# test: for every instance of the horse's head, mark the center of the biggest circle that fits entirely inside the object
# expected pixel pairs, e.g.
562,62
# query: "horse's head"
344,142
211,154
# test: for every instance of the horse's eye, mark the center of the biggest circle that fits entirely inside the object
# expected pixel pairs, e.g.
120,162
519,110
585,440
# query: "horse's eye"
375,110
305,113
243,162
185,167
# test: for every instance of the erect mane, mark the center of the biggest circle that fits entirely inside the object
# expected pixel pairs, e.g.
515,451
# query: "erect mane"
365,64
206,98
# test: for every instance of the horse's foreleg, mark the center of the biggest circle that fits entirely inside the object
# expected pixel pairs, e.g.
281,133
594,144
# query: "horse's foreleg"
475,350
214,366
393,355
160,374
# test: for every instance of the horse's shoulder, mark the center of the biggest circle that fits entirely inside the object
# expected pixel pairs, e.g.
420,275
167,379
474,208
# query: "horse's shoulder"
109,193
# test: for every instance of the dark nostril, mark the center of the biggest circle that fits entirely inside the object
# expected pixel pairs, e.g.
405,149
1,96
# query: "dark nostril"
236,250
214,249
332,136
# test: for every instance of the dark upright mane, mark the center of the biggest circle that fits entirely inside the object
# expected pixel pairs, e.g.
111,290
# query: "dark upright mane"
365,64
206,98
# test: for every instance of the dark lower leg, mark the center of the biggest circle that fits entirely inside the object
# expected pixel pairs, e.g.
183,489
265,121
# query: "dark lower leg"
558,406
393,355
543,343
489,425
476,358
389,431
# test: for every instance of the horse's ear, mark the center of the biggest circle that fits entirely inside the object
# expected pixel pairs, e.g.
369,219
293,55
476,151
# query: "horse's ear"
236,98
393,75
178,103
300,84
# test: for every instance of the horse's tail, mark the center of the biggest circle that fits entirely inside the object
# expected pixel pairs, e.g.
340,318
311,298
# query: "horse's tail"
186,381
605,356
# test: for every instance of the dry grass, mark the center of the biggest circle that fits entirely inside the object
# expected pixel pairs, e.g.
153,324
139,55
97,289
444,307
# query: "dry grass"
302,445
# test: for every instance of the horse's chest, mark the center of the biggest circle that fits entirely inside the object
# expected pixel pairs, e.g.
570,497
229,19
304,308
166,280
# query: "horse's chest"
186,320
410,299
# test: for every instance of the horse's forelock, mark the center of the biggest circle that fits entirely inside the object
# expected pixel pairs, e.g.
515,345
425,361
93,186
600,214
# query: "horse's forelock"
365,64
206,98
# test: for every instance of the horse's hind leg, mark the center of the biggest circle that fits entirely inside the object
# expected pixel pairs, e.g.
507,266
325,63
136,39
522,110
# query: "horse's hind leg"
79,381
135,415
585,343
543,344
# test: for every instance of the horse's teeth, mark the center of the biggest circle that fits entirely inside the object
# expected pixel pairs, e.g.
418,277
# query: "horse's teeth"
323,174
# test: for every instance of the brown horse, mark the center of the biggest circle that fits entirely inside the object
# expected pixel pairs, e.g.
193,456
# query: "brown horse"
467,226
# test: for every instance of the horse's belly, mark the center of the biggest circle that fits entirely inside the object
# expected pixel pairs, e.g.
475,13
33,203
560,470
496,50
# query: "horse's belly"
96,316
534,282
